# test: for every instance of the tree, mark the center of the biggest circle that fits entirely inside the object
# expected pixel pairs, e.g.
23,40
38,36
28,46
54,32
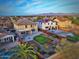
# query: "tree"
74,38
24,51
74,19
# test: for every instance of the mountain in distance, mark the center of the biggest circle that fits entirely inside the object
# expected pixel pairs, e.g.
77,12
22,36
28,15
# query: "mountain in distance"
57,14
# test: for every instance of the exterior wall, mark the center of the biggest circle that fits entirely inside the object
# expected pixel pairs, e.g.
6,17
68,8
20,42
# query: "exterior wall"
36,27
75,29
39,24
19,27
6,24
24,28
7,36
64,24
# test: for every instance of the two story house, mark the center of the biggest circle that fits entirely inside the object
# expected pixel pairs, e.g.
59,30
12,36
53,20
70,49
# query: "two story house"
25,26
5,22
6,37
63,23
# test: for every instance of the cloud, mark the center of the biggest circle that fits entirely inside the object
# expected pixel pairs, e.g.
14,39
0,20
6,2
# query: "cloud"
26,7
33,4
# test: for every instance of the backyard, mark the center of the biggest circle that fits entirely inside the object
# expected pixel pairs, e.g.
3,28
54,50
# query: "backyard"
41,39
47,43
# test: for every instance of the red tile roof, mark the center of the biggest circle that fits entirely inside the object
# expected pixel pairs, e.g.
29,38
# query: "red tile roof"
62,19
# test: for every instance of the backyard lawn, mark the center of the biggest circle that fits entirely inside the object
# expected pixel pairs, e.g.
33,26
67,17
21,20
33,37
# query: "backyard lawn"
41,39
54,36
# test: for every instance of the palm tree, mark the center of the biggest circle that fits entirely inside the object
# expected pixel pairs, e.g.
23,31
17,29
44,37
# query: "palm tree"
24,51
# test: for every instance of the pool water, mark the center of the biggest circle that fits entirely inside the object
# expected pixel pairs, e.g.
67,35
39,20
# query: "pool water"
6,54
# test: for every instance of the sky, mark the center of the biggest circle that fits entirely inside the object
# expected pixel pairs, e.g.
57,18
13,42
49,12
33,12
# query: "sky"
32,7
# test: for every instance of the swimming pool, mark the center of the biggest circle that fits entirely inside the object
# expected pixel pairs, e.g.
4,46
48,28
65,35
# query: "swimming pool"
7,54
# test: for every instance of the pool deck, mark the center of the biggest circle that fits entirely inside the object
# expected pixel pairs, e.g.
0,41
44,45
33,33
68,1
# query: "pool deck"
31,37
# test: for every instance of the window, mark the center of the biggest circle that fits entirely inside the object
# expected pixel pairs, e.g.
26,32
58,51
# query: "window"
22,32
4,39
48,23
51,23
46,27
26,26
0,40
31,25
33,29
56,23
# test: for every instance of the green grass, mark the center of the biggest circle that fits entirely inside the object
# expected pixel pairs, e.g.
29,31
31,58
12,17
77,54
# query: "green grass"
74,19
41,39
54,36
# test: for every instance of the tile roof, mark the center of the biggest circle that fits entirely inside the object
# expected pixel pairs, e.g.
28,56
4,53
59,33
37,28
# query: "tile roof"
3,33
62,19
24,21
44,20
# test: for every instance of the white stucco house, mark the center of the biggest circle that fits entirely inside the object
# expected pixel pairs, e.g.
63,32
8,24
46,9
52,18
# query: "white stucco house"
6,37
24,26
47,24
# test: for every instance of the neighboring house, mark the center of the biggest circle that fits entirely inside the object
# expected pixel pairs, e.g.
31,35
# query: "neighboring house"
6,37
25,26
5,22
75,29
47,24
63,23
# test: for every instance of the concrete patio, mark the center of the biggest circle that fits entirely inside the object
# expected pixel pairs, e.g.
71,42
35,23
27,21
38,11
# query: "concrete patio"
30,37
